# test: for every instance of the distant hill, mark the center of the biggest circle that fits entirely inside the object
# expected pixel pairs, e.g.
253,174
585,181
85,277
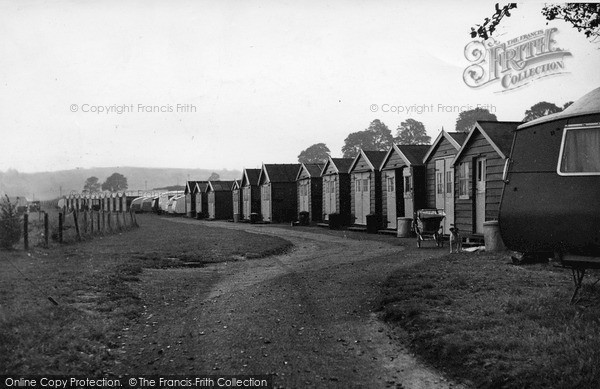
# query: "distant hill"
49,185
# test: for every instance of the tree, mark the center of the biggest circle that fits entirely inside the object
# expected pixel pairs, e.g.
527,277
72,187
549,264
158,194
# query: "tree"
92,184
214,177
567,104
377,137
116,182
412,132
316,153
10,226
585,17
540,109
466,119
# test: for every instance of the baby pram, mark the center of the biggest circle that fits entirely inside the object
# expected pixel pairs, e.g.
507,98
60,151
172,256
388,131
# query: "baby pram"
428,225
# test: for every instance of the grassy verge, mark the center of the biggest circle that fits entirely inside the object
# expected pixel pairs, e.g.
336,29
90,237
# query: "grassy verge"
91,282
493,324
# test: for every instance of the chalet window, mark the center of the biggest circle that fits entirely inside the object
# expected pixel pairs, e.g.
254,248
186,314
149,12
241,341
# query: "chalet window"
449,181
331,186
390,184
480,170
407,184
365,186
580,151
463,180
357,184
440,183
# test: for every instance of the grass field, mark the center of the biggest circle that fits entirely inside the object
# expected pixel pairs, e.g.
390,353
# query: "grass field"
91,283
492,324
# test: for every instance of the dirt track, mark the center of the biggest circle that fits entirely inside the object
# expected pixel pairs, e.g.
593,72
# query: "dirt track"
305,316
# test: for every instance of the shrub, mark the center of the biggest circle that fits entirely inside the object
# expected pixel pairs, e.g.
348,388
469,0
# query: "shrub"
10,226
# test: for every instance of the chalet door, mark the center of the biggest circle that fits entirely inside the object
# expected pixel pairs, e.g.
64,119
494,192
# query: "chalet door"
303,190
329,196
236,202
246,191
480,195
362,198
409,204
444,191
333,193
390,183
211,205
265,202
198,203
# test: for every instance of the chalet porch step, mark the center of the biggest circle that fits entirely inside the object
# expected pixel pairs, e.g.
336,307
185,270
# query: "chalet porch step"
387,232
358,228
473,240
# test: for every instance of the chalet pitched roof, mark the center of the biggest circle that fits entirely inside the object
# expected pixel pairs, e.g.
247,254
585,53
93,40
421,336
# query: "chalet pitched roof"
341,165
279,172
411,154
236,184
201,186
498,134
250,176
587,105
456,139
459,137
313,170
373,158
219,186
189,186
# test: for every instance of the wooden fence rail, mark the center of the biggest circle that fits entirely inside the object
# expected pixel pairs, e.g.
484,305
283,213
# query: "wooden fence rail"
85,224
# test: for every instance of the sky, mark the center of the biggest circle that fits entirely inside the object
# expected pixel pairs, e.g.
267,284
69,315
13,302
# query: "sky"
234,84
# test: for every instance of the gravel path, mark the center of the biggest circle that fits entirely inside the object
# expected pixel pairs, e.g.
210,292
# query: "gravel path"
305,316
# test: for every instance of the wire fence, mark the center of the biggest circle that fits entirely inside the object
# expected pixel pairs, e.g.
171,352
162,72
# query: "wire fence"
56,226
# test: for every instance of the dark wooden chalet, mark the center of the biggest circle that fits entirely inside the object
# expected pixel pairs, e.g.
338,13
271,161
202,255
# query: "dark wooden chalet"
310,190
236,198
220,202
190,198
336,188
250,193
439,178
278,192
402,182
201,199
478,168
365,185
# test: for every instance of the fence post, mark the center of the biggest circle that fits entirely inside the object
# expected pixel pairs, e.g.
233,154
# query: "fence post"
109,217
76,225
99,221
85,222
25,231
118,221
46,228
92,222
103,221
60,227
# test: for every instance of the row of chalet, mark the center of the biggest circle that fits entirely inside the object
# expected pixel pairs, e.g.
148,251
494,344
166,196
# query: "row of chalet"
460,173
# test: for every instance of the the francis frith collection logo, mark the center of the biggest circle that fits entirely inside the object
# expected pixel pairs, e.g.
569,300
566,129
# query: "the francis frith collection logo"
514,63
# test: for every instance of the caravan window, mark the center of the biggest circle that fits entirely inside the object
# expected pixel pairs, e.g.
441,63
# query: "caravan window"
580,151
